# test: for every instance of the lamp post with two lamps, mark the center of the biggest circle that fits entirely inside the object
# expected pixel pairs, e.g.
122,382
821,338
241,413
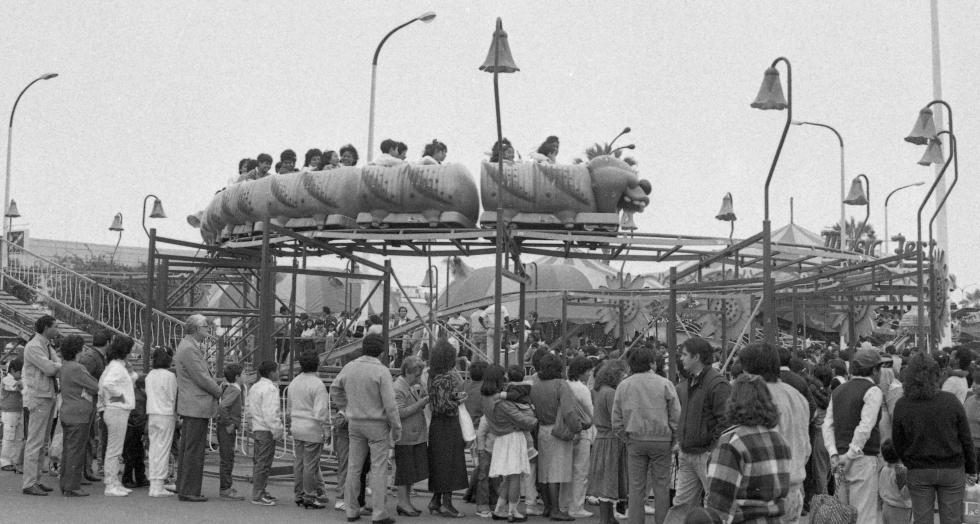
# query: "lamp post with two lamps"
155,212
840,140
887,198
424,17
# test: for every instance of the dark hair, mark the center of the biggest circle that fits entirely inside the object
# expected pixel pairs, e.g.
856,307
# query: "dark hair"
640,359
784,356
326,156
442,358
352,150
71,346
101,337
162,358
288,154
310,153
697,346
373,345
433,147
920,377
964,357
838,367
477,369
551,367
267,368
402,147
610,374
387,144
16,364
494,379
232,371
253,163
760,358
549,146
243,163
750,403
888,452
264,157
515,373
120,347
579,366
498,148
536,357
309,362
823,374
278,166
44,322
374,319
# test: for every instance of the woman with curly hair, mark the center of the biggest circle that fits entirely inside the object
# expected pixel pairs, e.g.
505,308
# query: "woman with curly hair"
554,454
447,462
607,473
932,436
748,475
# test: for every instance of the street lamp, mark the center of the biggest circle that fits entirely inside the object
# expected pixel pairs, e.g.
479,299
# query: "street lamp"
770,96
424,17
896,190
923,133
859,196
156,212
843,224
11,213
499,60
10,136
727,214
116,226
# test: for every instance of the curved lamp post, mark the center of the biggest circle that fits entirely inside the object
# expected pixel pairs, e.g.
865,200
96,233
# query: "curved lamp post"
859,196
840,140
923,133
156,212
771,97
893,191
727,214
499,60
424,17
117,225
10,139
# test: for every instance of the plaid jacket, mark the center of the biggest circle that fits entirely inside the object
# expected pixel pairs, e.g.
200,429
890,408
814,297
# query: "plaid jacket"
748,476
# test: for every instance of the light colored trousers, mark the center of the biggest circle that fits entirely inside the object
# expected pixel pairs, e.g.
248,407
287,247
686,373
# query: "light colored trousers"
648,460
12,449
691,483
115,421
572,497
794,504
306,464
38,432
365,436
862,488
161,431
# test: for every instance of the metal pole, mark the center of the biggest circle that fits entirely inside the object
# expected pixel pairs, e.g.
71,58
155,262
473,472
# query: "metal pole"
499,263
292,321
148,317
672,326
867,213
564,322
887,198
265,305
386,309
522,312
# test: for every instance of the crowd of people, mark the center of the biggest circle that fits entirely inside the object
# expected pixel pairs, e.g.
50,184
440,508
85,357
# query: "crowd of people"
891,434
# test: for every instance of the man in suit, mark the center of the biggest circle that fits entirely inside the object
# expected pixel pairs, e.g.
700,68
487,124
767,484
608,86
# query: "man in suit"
197,401
41,366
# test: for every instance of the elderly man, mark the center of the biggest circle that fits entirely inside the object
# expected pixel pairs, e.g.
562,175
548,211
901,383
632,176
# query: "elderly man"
41,366
197,401
365,392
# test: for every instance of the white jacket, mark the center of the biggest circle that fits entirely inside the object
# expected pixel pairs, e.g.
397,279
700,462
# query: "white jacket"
263,407
117,381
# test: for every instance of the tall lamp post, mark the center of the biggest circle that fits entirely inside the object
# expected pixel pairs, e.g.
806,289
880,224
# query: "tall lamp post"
10,139
155,212
117,225
893,191
840,140
771,97
859,196
924,133
499,60
424,17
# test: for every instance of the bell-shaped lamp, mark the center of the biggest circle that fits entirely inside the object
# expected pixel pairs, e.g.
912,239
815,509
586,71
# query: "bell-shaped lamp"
427,16
157,211
933,154
116,223
504,61
195,219
856,196
12,211
924,130
727,213
771,92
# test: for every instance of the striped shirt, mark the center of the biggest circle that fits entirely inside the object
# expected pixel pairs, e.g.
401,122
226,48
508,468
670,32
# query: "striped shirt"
748,476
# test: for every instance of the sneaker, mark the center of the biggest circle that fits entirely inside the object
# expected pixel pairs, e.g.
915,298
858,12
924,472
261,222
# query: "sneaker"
534,510
263,501
161,493
116,491
649,510
230,494
340,506
269,496
124,488
484,514
580,514
170,487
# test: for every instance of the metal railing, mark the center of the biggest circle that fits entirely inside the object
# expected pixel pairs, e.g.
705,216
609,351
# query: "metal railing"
86,298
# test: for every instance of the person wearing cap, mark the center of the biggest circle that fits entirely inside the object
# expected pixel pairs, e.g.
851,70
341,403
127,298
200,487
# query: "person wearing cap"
850,432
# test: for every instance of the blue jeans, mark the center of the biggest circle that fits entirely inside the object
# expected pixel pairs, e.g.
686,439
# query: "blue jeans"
264,450
925,485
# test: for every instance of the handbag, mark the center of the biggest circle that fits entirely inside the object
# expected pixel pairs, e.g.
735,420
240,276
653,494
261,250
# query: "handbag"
466,424
571,418
833,509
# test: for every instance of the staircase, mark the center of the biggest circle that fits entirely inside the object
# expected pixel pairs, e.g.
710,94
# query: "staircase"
79,303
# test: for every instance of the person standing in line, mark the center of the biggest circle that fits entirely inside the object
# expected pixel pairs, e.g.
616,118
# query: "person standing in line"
309,410
548,394
78,389
608,481
197,402
364,390
117,391
267,428
228,423
447,462
41,366
161,414
573,499
703,397
850,432
134,474
12,413
411,459
645,415
94,360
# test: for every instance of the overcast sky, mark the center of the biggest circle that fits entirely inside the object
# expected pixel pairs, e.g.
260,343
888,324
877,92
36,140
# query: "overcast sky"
166,97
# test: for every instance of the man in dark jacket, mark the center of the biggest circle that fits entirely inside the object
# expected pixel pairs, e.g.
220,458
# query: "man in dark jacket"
94,360
703,396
